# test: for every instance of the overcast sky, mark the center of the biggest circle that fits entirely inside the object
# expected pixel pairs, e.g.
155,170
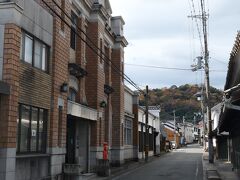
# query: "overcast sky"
160,34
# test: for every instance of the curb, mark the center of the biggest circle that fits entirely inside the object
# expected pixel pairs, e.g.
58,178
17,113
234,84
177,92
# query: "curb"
210,171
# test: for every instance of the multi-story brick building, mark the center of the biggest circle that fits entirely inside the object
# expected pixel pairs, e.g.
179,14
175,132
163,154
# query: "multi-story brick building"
56,84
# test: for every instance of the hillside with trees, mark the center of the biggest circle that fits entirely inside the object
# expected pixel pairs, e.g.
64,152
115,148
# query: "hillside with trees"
182,99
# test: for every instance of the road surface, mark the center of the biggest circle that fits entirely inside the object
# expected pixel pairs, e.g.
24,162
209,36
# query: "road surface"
180,164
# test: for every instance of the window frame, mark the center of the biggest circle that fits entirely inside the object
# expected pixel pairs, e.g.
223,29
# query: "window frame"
71,92
42,45
74,18
42,136
128,128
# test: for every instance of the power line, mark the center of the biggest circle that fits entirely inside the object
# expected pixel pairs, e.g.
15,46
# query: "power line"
191,35
105,58
159,67
169,68
198,28
109,62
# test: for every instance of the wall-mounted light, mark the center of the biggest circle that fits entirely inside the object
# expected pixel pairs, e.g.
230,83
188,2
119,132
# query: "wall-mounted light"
64,87
103,104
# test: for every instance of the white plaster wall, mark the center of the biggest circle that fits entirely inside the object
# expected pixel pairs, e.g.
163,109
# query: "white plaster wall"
128,102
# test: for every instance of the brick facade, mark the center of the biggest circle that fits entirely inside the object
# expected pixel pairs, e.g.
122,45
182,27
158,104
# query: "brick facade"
60,59
34,87
117,100
9,104
95,81
81,58
108,109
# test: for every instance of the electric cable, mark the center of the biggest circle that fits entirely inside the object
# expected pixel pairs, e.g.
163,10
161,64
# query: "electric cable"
98,49
107,60
169,68
198,28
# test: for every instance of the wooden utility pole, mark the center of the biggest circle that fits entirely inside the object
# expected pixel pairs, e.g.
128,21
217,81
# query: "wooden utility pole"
146,126
184,134
203,120
174,129
206,59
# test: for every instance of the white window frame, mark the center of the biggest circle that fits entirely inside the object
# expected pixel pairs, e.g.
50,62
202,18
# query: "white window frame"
44,51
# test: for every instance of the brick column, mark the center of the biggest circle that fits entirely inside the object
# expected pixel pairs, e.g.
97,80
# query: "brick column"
92,81
95,81
108,109
9,103
117,152
59,72
81,58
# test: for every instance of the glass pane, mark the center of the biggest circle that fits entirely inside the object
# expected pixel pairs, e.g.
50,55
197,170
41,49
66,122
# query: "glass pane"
41,132
28,49
125,135
73,38
74,18
72,95
37,54
44,58
24,128
34,129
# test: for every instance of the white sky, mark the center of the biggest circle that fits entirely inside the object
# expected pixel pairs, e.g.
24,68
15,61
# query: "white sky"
160,34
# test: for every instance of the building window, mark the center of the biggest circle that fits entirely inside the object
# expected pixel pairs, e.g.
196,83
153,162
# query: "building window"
60,113
34,52
128,131
72,95
73,30
101,51
32,129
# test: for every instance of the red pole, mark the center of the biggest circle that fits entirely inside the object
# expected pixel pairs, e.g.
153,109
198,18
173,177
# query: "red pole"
105,151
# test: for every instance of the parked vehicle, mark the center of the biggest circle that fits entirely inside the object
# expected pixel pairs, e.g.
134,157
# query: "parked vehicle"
174,144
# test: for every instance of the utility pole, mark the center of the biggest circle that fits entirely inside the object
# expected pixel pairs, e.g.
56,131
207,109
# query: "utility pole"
184,134
174,129
146,126
206,59
203,120
160,127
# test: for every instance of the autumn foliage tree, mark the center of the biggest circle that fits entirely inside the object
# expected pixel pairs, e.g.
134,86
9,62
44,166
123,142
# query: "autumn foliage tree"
182,99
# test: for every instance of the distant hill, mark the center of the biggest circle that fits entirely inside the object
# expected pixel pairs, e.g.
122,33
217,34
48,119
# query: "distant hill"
182,99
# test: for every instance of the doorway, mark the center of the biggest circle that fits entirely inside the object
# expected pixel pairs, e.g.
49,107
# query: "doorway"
71,129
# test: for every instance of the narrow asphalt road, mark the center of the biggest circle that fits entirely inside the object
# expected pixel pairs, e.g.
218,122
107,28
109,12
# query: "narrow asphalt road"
180,164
